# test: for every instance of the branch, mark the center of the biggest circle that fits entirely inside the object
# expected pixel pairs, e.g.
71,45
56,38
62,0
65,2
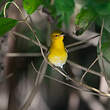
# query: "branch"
38,81
81,42
23,54
83,68
27,38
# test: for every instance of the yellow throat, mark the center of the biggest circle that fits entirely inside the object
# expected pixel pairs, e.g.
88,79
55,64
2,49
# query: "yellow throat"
57,52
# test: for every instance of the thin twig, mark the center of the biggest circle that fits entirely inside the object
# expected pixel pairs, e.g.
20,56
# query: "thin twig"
100,38
27,38
80,84
91,100
100,44
40,45
42,69
31,21
64,83
23,54
89,69
78,48
4,11
38,81
84,68
81,42
83,85
71,86
100,49
61,82
6,77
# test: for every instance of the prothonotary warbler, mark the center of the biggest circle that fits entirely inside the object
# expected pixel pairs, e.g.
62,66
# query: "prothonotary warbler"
57,52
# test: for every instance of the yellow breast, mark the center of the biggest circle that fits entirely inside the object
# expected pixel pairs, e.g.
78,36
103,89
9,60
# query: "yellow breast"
58,57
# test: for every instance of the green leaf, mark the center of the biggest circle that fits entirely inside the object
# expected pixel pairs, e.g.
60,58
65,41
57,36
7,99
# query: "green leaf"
1,13
60,10
6,24
31,5
106,44
106,19
65,8
106,54
83,19
102,7
67,19
10,0
1,1
106,22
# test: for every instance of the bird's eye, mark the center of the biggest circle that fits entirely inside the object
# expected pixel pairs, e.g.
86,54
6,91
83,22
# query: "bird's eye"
56,35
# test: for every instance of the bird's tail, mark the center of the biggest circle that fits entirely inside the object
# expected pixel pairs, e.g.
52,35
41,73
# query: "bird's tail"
62,69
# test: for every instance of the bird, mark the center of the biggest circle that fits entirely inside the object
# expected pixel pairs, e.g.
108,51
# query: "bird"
57,52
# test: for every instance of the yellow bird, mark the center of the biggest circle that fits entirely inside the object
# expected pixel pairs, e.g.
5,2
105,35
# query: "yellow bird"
57,52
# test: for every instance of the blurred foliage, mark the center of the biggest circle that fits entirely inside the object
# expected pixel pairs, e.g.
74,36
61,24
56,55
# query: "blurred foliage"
1,13
96,11
60,10
64,9
31,5
84,19
102,7
90,10
106,44
107,22
41,36
1,1
6,24
105,61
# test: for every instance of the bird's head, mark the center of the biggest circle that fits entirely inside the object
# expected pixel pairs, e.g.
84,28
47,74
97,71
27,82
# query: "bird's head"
57,36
